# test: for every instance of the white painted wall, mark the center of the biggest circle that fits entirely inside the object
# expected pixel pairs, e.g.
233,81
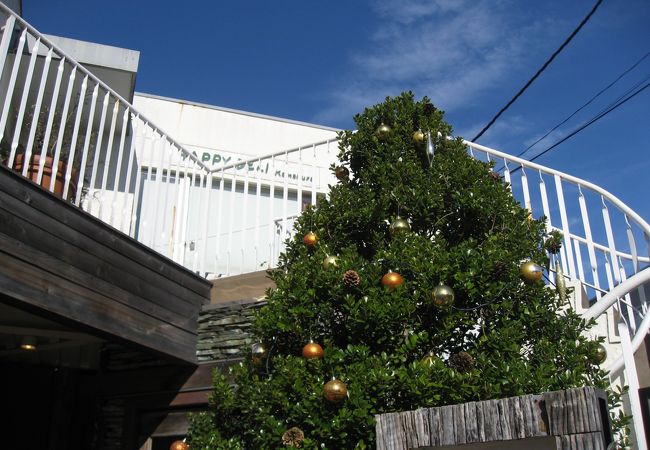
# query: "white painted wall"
218,230
221,130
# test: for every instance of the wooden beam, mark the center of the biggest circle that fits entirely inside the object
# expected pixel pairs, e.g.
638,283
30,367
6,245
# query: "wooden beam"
68,248
572,419
63,334
64,299
83,223
68,266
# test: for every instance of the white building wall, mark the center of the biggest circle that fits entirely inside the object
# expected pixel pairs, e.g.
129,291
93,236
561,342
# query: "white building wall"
221,130
225,231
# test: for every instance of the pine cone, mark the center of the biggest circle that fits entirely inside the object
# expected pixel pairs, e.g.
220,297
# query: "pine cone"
293,436
495,176
461,362
498,269
554,242
351,279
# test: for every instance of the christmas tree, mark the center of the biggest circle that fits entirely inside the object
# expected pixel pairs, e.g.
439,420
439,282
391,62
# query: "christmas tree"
417,283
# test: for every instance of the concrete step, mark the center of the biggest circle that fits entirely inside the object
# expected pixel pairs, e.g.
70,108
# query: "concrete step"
247,286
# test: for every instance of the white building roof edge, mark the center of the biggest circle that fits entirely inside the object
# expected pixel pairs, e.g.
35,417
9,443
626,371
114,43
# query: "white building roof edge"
236,111
100,55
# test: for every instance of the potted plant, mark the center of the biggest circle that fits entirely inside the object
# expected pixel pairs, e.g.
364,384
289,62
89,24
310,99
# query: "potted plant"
40,144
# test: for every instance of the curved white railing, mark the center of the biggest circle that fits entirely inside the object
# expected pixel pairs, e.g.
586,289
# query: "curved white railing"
609,270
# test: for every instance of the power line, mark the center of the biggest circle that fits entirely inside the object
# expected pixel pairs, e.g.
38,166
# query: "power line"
632,67
593,120
539,72
624,94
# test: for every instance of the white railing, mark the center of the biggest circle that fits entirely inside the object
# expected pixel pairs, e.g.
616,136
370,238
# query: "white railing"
600,232
68,131
253,205
65,129
600,256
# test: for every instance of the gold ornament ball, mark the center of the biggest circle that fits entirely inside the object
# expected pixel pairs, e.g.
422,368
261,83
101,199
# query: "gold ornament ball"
330,262
531,272
258,352
335,391
429,359
383,132
392,280
601,354
341,173
418,137
312,351
179,445
399,226
443,296
310,239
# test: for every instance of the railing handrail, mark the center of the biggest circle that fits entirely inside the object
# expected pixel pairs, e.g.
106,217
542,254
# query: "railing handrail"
272,155
579,181
602,248
103,85
617,292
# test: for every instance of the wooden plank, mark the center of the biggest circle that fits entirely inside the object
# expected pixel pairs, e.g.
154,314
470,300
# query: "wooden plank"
517,418
201,378
191,398
423,431
554,419
380,431
593,410
396,441
597,441
505,412
183,315
480,422
491,420
581,425
406,429
447,425
540,414
532,412
459,424
233,288
71,302
471,423
29,193
435,426
25,224
387,432
174,424
573,425
504,420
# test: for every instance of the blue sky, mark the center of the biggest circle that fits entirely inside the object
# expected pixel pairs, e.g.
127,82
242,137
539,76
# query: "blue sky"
322,62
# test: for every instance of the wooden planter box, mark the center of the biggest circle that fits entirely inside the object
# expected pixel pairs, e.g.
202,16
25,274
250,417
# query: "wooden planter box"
574,419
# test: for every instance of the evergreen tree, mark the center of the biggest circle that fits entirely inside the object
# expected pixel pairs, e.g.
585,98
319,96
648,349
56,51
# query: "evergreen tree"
395,346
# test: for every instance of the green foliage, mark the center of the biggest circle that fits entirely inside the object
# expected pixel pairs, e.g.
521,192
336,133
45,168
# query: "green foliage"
466,232
553,243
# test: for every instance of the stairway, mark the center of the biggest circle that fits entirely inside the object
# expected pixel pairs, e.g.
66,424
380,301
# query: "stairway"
115,164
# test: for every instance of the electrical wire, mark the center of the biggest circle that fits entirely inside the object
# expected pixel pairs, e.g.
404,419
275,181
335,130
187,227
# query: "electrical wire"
541,69
593,120
632,67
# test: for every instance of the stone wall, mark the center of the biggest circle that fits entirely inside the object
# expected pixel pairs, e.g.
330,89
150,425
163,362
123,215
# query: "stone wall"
224,330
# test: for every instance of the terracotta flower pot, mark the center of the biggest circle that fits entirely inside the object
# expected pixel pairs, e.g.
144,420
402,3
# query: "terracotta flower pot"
46,179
